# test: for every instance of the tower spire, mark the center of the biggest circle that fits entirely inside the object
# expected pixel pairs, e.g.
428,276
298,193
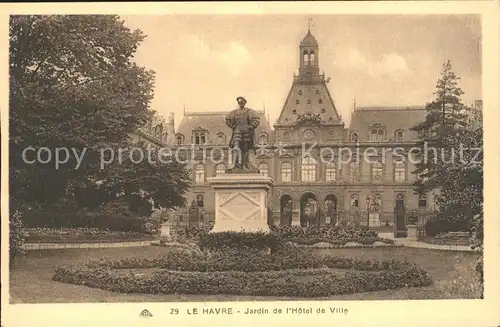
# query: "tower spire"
309,24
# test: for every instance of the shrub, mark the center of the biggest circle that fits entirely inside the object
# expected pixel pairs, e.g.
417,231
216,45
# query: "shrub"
16,236
434,227
240,241
290,272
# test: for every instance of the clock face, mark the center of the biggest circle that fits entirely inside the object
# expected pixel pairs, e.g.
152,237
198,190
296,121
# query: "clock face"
308,134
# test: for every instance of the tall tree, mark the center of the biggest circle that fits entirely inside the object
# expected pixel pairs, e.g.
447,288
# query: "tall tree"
74,85
446,115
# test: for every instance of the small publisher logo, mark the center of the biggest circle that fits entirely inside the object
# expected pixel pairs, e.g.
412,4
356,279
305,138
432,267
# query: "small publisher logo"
145,313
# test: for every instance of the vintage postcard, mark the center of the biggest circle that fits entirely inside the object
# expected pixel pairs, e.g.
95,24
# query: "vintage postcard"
227,164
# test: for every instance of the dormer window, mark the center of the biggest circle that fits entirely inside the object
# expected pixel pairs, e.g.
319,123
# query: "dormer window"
320,101
264,138
297,101
354,137
308,101
317,92
179,139
221,138
300,92
200,137
399,136
377,133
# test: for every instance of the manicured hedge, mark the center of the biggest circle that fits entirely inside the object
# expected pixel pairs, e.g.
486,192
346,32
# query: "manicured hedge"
288,272
240,241
299,235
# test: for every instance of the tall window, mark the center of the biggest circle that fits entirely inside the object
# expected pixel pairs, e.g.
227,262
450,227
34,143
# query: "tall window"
199,173
355,201
286,172
354,171
330,172
377,171
308,169
200,201
399,136
306,58
180,139
422,201
220,169
263,169
199,137
399,171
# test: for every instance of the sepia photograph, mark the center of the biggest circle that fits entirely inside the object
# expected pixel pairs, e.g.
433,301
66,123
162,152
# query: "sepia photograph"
257,158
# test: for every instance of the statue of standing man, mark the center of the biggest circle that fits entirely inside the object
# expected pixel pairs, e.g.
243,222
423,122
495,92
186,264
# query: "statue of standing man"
243,121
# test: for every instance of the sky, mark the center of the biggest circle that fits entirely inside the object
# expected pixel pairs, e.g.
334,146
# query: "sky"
203,62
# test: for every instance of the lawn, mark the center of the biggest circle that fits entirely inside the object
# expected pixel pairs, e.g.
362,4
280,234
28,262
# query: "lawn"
30,278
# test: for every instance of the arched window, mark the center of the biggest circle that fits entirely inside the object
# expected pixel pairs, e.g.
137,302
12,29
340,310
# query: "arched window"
306,58
354,171
263,138
354,137
399,136
286,172
422,201
220,169
179,140
399,171
377,170
355,201
200,201
199,173
308,169
330,172
263,169
221,139
312,57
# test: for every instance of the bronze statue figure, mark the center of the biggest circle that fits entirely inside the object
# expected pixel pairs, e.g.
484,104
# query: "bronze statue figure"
243,121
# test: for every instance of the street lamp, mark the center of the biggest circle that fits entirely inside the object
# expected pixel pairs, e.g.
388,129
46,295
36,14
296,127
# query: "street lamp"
368,211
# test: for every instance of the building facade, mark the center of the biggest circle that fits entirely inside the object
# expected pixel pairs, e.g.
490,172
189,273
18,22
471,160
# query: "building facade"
362,171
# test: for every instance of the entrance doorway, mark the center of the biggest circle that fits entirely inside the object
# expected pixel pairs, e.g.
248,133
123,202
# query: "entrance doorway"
286,210
399,215
330,210
308,210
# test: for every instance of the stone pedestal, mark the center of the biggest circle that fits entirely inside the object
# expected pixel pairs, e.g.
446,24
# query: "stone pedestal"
412,233
241,202
165,231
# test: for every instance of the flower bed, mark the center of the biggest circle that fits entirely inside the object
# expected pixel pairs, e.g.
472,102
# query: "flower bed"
81,235
288,272
308,236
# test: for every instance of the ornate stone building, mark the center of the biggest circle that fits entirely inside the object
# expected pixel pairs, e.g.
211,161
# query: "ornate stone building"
362,170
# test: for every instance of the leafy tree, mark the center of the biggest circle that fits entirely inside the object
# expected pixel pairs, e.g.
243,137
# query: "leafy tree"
74,85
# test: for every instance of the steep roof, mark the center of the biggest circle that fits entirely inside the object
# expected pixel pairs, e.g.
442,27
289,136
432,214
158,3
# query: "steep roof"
309,40
308,97
214,123
392,118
